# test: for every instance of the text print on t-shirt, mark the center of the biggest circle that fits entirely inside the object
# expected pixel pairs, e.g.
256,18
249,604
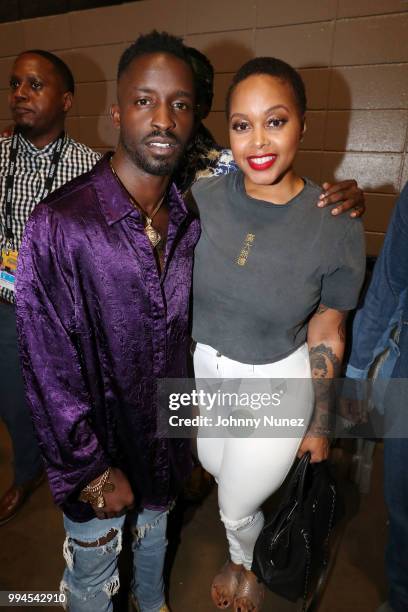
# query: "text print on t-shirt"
246,248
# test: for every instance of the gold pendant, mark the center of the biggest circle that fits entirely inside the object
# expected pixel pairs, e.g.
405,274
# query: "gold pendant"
100,503
152,234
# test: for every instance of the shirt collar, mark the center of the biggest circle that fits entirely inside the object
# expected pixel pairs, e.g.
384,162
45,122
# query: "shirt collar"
114,201
28,148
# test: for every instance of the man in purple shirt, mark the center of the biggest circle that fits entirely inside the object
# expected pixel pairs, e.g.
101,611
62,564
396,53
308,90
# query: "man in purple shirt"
102,305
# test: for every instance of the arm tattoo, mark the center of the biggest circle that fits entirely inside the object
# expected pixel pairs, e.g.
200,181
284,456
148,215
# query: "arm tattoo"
324,363
325,366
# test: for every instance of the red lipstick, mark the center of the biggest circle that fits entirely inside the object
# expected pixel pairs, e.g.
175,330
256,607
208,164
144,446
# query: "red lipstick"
261,162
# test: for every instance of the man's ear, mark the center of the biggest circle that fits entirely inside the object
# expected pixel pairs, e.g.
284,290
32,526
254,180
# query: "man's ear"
304,127
115,115
68,101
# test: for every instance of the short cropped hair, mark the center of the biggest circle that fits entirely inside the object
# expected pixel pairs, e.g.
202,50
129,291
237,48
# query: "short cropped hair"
154,42
273,67
59,65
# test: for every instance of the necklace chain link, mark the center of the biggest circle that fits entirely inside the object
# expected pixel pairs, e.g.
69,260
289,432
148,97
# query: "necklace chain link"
152,234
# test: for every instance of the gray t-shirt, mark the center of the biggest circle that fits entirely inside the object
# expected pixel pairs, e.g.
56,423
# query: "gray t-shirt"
261,269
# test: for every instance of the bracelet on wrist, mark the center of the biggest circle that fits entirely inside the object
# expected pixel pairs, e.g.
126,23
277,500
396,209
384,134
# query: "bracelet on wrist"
93,492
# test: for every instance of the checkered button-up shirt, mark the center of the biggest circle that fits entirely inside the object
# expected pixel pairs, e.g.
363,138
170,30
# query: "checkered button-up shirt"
32,168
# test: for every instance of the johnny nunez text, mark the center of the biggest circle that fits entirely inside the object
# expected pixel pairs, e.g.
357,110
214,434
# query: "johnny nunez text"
235,421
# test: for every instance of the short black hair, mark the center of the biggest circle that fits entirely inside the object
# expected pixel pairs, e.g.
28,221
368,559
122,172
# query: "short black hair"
273,67
204,74
154,42
59,65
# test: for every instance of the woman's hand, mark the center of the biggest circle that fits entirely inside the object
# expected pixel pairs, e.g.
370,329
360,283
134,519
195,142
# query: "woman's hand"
317,447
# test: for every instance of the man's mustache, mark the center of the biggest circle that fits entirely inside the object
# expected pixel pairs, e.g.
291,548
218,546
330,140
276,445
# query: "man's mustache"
165,135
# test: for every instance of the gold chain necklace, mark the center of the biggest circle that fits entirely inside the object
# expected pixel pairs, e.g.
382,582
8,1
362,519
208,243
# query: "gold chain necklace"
152,234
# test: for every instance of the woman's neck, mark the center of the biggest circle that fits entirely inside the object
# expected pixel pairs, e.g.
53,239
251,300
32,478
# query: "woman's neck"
280,192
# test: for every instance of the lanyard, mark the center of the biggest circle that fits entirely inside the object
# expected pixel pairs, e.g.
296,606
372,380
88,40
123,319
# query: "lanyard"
11,171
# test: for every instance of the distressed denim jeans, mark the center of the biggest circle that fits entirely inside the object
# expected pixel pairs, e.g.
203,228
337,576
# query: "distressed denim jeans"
91,576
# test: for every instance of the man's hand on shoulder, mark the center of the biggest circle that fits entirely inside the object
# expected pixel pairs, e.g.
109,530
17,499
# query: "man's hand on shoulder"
6,132
118,500
348,194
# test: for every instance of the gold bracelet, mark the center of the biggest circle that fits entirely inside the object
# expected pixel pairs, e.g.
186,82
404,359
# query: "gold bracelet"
93,493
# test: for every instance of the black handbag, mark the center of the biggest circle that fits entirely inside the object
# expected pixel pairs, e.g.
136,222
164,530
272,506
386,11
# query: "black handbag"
291,554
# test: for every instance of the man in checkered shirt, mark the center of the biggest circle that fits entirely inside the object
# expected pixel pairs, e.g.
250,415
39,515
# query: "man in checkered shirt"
41,94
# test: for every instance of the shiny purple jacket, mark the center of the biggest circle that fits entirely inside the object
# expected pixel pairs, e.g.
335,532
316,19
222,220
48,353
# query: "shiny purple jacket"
97,327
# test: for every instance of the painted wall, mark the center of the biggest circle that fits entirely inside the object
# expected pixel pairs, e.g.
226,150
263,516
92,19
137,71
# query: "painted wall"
352,54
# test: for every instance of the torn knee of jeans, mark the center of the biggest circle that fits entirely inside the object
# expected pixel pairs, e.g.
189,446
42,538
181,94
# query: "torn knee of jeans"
102,546
63,588
68,553
111,587
99,542
240,523
140,531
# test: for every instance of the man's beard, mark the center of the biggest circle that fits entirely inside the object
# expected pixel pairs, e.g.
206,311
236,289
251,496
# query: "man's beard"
156,167
24,128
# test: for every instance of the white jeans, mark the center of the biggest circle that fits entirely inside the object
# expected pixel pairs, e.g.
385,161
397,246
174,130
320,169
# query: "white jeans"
249,470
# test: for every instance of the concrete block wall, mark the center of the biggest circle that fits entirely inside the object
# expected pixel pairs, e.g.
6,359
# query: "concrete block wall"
352,54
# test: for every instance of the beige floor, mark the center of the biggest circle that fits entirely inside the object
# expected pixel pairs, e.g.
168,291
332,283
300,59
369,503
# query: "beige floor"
31,558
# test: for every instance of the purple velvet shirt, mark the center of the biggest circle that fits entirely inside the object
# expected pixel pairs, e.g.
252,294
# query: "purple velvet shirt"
97,326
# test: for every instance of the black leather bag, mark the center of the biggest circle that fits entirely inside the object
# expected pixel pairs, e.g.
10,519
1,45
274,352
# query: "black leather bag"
291,554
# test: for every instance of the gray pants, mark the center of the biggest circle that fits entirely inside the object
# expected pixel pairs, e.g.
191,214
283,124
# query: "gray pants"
13,408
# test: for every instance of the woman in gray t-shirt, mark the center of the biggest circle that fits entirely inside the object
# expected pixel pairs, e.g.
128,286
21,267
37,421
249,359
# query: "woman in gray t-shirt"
274,277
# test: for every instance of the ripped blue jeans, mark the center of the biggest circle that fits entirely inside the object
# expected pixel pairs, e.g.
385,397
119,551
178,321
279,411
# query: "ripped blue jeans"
91,576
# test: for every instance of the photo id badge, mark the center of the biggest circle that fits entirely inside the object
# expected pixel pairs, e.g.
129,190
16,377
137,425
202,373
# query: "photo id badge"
8,265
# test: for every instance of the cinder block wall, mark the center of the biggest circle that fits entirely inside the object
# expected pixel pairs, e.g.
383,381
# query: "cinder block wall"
353,55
